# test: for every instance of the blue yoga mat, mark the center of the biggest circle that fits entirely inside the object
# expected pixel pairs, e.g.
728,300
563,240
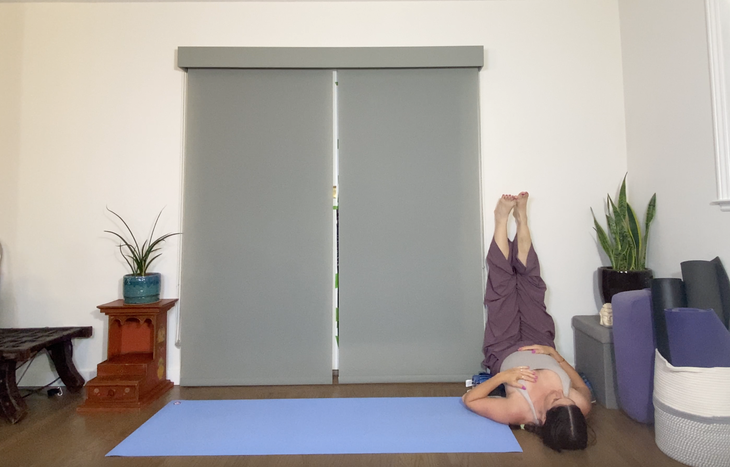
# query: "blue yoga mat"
316,426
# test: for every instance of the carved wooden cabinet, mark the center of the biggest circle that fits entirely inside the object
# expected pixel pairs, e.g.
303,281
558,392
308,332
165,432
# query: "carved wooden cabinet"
135,371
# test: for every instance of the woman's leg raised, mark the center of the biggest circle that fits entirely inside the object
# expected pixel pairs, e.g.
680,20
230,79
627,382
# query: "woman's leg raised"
536,325
503,322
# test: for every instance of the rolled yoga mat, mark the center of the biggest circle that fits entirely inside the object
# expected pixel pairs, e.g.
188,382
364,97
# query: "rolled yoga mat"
724,281
665,293
702,285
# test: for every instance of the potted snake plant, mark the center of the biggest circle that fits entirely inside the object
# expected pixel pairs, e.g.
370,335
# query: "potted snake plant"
625,244
140,286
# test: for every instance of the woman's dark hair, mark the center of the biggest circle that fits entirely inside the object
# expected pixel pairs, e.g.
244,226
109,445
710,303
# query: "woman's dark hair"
565,427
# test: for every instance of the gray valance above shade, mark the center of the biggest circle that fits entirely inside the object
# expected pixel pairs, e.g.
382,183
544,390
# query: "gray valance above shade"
330,57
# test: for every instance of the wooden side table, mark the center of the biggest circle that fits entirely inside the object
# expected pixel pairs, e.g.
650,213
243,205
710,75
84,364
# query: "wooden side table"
135,371
20,344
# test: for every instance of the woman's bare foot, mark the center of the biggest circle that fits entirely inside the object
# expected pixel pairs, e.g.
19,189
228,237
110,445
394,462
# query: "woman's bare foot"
521,207
505,205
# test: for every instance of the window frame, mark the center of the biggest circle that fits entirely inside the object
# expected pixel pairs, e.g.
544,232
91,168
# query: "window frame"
718,39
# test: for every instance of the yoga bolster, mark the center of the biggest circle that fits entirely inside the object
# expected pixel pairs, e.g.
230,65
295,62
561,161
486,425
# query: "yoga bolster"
665,293
633,346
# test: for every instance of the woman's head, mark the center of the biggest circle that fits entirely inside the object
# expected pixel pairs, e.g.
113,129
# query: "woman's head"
552,399
565,427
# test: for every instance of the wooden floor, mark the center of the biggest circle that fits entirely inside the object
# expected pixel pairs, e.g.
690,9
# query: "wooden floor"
54,435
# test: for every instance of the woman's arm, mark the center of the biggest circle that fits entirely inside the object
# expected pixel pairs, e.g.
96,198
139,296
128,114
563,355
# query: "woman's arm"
499,409
576,382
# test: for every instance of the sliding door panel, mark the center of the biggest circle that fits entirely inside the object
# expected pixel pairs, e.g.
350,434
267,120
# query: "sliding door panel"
410,280
256,294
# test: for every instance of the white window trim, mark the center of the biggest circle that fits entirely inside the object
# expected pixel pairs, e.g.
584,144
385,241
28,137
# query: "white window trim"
716,45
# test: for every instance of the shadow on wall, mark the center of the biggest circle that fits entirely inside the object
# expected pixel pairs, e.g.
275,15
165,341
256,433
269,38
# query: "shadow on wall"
7,303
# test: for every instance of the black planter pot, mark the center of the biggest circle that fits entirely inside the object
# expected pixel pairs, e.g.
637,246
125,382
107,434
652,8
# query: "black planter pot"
613,282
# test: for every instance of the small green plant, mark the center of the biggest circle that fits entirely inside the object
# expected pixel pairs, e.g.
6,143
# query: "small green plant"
624,243
138,257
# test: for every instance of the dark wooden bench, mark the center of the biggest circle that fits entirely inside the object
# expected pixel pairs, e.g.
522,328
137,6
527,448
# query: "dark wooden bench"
20,344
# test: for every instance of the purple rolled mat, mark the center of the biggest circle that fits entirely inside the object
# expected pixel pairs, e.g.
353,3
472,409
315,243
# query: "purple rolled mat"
697,338
665,293
702,286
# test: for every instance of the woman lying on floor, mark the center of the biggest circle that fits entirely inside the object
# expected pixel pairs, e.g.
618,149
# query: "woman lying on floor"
543,391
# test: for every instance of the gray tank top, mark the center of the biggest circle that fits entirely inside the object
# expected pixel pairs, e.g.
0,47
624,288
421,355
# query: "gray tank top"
536,362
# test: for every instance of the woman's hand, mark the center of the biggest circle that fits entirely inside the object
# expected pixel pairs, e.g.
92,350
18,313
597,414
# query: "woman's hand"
544,349
514,375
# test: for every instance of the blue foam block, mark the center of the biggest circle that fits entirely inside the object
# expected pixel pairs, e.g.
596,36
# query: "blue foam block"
316,426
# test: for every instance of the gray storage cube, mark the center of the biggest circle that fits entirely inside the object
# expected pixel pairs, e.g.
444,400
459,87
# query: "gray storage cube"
594,357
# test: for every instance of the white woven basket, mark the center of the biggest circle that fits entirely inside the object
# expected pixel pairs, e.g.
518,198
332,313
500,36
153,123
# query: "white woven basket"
692,413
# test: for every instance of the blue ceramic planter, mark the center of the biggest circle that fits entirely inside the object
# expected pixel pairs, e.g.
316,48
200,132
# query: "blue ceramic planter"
141,289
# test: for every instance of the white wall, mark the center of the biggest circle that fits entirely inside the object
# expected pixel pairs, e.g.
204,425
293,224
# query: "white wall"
10,45
98,118
669,130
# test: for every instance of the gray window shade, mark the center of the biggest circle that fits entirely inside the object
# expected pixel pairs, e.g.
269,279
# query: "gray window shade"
410,225
256,295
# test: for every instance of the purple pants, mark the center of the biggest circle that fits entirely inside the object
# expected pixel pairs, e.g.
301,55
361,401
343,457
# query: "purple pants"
515,300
